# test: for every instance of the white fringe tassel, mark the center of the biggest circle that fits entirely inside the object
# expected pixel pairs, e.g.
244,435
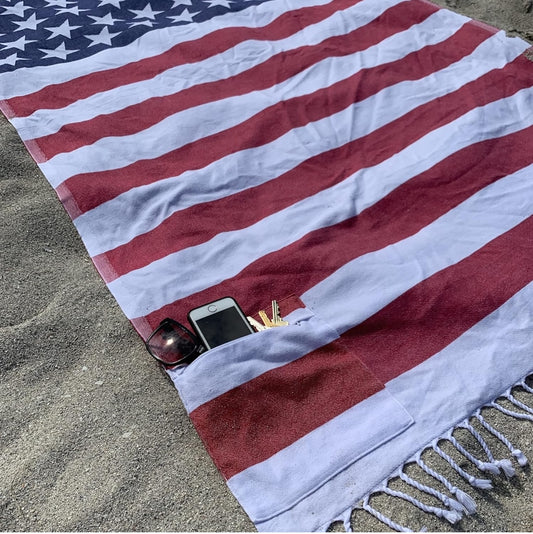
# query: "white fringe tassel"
450,503
516,402
463,503
505,464
525,386
516,453
480,483
383,518
463,497
517,415
452,516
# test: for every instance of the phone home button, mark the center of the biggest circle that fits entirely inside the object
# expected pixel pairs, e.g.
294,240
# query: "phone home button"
212,308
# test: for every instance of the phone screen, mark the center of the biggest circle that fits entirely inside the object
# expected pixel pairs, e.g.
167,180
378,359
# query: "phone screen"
222,327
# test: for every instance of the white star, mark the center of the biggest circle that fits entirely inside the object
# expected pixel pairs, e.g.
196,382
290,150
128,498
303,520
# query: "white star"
107,20
73,10
30,24
147,12
179,3
222,3
9,60
59,52
104,37
64,30
115,3
148,23
19,43
184,17
17,9
56,3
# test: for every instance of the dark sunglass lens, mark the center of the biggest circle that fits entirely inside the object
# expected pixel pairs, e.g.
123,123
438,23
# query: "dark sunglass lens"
170,344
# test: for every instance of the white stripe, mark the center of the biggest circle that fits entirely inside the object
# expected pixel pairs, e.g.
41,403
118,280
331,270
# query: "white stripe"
153,43
191,270
221,66
473,370
299,469
118,221
182,128
377,278
245,358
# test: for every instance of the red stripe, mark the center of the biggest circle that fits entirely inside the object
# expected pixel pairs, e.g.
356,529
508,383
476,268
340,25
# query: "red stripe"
431,315
91,189
280,67
201,222
405,211
60,95
253,421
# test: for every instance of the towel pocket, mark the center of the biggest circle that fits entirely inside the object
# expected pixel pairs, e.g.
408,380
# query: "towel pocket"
283,410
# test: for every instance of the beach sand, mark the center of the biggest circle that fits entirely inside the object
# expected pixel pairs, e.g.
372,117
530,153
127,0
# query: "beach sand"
93,436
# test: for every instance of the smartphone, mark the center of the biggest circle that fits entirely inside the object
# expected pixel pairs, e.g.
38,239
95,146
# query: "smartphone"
218,322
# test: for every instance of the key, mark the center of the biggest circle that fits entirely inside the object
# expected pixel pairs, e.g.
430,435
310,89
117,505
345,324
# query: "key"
276,316
275,311
264,317
256,324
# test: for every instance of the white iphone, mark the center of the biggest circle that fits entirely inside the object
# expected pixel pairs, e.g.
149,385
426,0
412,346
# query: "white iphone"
218,322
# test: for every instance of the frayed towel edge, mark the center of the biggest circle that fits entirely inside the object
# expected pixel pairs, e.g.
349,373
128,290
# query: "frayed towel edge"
459,502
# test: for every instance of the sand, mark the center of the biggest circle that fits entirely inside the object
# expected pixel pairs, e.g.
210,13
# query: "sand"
93,436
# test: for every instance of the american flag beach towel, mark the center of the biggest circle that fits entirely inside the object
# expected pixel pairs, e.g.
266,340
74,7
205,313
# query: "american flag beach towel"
367,163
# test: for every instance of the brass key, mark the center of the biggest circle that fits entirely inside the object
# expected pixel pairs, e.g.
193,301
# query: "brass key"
264,317
267,322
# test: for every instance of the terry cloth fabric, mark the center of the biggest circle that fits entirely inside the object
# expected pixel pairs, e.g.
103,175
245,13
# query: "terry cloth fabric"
367,163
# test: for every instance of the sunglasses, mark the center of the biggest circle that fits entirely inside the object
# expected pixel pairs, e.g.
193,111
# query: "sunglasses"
171,344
